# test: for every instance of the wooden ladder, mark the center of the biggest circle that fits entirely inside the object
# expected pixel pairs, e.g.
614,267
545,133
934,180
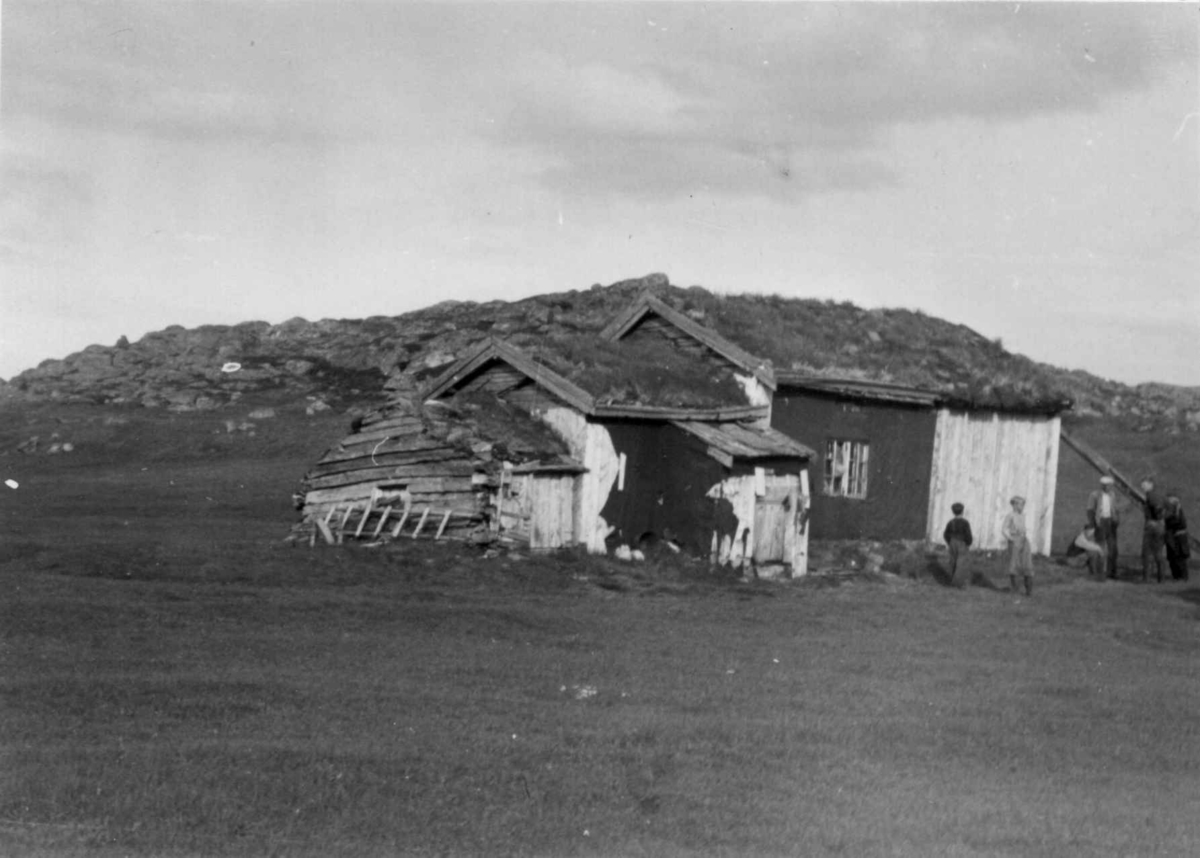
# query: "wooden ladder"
335,531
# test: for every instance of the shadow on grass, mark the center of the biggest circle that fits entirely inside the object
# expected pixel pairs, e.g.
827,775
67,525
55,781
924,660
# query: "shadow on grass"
979,579
938,572
1191,595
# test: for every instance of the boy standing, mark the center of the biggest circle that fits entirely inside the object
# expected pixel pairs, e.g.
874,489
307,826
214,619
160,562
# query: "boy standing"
1020,556
958,539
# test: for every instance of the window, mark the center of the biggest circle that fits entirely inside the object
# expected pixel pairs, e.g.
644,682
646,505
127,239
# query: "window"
846,468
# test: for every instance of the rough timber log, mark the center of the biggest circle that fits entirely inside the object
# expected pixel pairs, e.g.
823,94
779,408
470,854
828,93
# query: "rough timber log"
376,421
375,434
401,465
416,454
387,474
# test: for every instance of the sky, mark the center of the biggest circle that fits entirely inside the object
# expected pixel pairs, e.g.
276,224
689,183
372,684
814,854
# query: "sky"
1031,170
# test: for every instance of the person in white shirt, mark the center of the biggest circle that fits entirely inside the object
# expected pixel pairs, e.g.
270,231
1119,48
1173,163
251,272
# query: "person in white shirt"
1102,514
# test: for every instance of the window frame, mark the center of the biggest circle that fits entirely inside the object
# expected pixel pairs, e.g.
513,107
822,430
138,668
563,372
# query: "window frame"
853,482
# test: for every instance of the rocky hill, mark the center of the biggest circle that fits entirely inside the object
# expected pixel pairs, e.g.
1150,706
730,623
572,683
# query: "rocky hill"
333,362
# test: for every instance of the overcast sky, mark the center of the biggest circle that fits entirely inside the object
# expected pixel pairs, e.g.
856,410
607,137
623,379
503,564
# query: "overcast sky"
1030,170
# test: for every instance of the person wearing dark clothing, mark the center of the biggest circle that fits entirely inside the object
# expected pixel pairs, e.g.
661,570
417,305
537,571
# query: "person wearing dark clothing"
958,537
1154,545
1179,548
1102,514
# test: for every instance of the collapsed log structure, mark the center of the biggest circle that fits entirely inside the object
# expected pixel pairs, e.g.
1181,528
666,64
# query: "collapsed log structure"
442,470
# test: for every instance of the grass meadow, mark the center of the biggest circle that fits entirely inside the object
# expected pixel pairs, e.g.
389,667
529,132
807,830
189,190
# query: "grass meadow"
177,681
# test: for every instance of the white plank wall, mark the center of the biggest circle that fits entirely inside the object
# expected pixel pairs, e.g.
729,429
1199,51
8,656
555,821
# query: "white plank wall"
981,461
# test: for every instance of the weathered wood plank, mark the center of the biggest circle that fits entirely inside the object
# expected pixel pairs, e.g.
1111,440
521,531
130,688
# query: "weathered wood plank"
403,464
341,494
420,524
402,421
400,524
326,533
362,522
402,474
431,485
374,436
384,445
383,517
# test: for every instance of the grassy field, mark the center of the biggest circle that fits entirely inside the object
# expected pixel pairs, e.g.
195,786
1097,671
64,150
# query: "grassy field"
176,680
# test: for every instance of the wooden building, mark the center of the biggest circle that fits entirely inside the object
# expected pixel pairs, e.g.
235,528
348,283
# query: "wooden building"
711,481
891,460
659,429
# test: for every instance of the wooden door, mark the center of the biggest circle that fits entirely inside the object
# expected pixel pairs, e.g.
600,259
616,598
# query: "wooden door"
775,521
552,511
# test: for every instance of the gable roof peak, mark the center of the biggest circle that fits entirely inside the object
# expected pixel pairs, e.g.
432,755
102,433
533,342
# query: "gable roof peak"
647,303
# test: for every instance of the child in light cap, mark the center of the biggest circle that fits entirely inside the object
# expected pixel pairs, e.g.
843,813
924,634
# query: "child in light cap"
1020,557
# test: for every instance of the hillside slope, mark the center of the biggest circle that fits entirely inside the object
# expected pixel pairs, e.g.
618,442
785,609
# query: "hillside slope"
337,361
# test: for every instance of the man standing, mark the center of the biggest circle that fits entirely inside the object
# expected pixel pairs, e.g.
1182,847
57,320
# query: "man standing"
1154,543
1102,514
1178,547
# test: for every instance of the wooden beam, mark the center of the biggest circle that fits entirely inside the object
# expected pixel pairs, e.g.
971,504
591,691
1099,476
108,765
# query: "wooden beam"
400,524
654,412
421,523
392,474
442,526
362,522
1103,466
383,517
326,533
457,464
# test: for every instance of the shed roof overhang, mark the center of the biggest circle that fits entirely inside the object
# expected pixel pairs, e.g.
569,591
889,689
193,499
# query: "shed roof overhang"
738,441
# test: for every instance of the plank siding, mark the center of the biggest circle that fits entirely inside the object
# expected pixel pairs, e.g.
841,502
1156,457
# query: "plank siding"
552,503
982,461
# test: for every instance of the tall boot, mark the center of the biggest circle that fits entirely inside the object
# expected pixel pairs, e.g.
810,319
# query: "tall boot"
1012,584
1028,585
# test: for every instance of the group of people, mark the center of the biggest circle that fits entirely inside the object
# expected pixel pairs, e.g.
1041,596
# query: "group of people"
1165,540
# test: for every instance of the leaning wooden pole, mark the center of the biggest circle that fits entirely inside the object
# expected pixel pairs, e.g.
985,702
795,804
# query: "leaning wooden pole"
1105,467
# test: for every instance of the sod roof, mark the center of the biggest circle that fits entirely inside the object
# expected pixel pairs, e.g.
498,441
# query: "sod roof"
798,336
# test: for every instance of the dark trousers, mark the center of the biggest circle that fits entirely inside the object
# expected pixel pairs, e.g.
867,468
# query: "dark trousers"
1177,555
1154,550
1106,535
958,563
